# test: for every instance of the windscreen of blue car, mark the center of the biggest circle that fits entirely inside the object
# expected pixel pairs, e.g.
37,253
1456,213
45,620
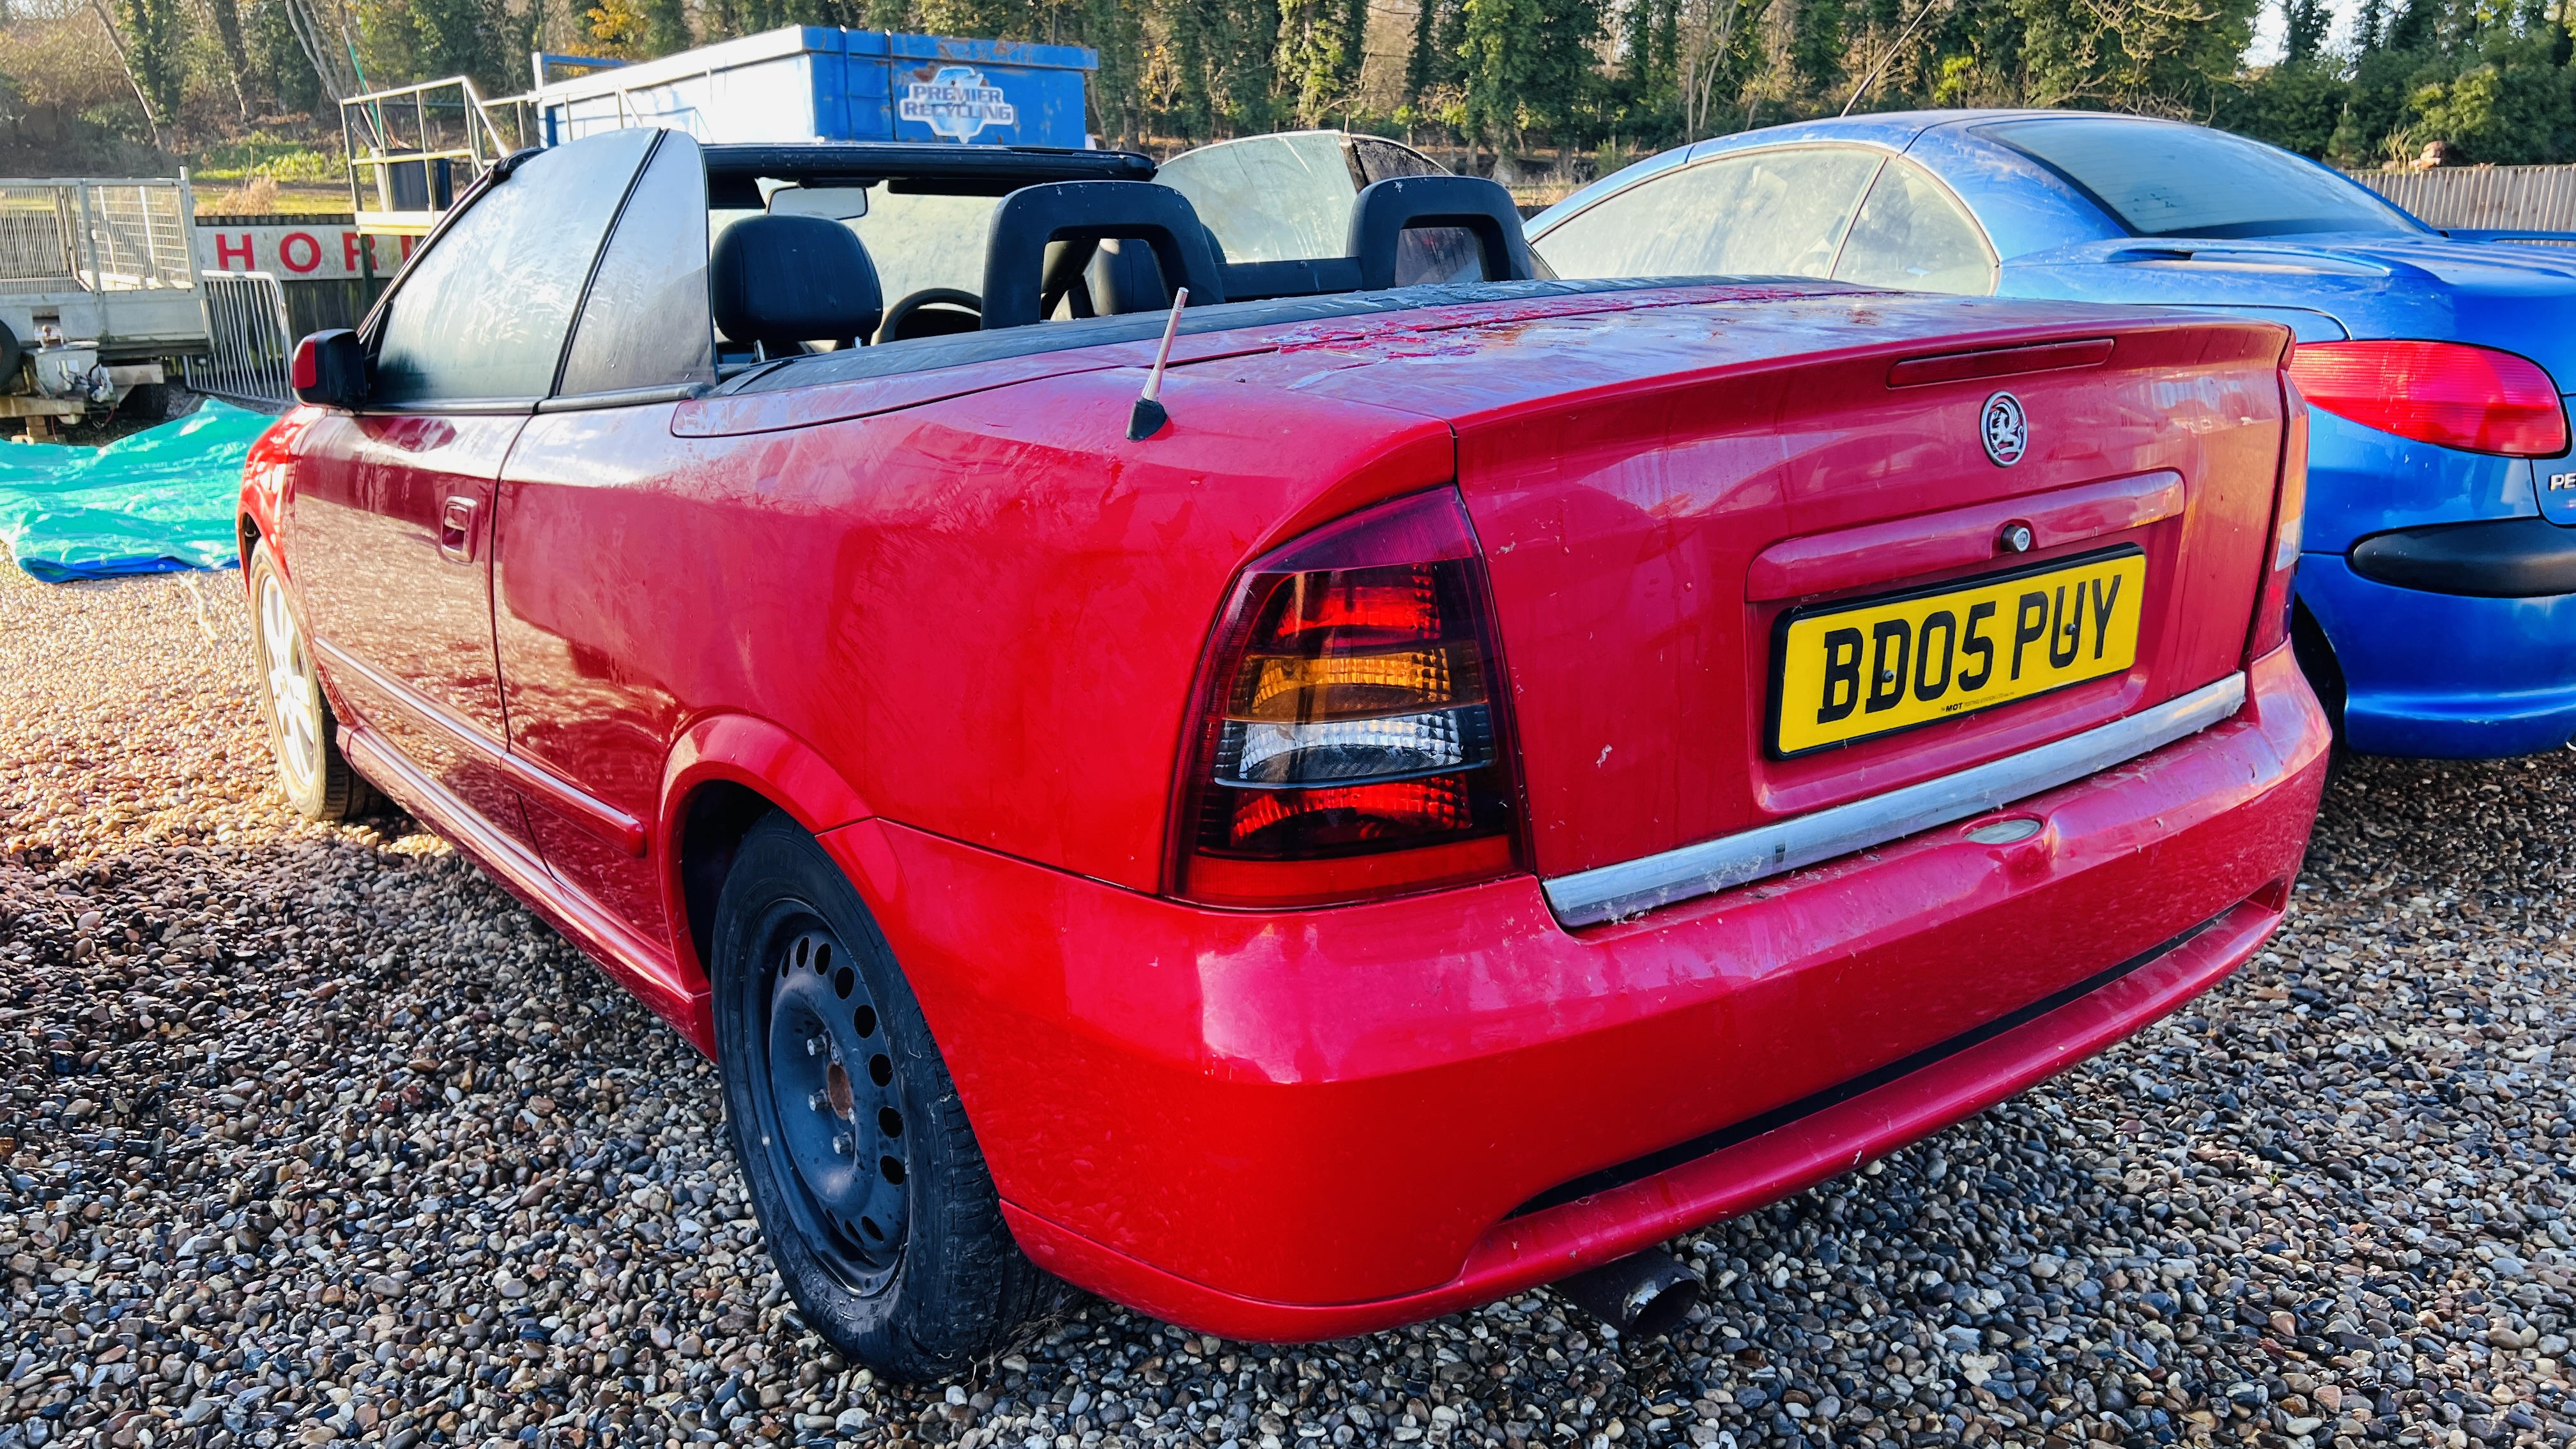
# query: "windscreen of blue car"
2168,179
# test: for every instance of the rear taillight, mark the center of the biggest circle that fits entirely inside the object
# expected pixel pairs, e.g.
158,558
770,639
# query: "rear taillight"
2289,520
2472,398
1350,740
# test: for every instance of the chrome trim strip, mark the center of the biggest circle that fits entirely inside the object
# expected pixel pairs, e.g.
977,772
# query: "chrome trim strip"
1634,887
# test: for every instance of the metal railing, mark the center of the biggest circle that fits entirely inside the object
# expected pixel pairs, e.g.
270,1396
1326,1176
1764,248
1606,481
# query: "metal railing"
94,235
250,348
406,144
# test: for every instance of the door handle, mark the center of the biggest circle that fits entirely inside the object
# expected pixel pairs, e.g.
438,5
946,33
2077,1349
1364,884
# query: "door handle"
456,529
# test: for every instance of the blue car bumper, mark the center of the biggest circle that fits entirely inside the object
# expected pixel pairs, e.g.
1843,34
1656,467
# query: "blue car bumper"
2445,584
2446,675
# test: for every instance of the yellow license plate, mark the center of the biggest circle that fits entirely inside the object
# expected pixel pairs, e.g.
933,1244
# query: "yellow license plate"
1846,672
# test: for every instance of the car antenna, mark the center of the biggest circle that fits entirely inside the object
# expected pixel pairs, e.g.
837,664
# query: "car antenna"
1150,414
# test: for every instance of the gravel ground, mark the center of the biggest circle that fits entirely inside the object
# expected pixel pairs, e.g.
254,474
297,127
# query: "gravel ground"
311,1133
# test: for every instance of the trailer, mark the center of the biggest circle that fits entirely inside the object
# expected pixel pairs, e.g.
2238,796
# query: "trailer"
803,83
98,291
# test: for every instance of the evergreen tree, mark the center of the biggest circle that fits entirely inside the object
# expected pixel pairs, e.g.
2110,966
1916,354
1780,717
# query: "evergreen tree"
1116,29
1321,46
155,35
1528,64
2414,27
228,37
449,37
666,26
1423,63
277,59
2305,26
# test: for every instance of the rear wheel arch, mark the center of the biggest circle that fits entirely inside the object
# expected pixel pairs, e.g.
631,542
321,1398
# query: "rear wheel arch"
713,821
2315,652
726,774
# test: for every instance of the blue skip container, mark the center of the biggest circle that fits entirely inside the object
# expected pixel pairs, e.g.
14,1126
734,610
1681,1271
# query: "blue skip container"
816,83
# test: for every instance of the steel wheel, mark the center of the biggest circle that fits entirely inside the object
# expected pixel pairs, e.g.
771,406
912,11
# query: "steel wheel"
293,691
834,1118
854,1145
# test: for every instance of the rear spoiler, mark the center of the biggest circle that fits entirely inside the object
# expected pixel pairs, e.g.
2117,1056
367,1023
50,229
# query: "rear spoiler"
2510,235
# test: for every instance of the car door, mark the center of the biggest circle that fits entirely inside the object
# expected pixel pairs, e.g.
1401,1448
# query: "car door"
1779,211
591,505
390,510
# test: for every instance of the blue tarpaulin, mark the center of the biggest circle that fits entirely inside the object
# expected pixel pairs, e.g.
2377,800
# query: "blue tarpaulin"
148,503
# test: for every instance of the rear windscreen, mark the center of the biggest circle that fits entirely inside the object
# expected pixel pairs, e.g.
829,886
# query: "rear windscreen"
2167,179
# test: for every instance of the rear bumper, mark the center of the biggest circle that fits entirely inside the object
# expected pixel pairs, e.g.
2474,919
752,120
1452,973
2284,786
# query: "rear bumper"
1735,1178
2447,675
1308,1125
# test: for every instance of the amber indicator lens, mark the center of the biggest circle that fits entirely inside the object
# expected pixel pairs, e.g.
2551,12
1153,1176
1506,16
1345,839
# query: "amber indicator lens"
1351,686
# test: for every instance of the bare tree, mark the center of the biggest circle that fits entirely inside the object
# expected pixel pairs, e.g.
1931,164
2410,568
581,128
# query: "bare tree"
125,59
1881,64
324,38
1708,32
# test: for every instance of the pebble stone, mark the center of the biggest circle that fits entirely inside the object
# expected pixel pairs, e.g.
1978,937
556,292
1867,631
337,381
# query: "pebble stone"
312,1134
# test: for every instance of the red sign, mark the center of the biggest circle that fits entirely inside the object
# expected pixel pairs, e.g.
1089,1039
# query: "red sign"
329,252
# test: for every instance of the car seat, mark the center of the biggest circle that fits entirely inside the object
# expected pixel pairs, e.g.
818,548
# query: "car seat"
782,282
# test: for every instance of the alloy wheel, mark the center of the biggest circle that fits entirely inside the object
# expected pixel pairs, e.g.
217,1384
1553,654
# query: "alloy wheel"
292,689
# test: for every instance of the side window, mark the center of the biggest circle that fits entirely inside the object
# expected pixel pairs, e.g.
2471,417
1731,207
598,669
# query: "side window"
483,312
1269,198
1777,212
1382,159
646,322
1910,234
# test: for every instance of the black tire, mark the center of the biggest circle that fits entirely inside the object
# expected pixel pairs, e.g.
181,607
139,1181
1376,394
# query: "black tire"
871,1191
2316,657
12,358
303,735
147,402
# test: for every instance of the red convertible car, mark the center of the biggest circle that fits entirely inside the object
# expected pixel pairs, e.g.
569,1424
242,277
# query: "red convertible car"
1480,779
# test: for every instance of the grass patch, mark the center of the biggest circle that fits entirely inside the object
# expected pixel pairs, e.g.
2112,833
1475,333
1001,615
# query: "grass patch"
261,156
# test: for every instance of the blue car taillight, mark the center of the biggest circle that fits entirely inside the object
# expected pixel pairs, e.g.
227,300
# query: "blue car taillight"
2476,399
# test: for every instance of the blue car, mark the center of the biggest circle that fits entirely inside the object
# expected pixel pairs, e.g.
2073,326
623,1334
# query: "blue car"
2436,605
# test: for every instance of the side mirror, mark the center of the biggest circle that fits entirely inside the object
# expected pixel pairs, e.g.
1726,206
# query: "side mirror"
330,369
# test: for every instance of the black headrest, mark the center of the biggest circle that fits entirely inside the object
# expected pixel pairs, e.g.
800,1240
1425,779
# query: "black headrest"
1090,211
787,279
1387,209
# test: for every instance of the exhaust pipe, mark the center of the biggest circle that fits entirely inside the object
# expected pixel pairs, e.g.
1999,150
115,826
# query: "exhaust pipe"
1645,1295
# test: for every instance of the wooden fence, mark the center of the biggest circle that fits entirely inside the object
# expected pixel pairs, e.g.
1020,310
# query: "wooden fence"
2494,198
